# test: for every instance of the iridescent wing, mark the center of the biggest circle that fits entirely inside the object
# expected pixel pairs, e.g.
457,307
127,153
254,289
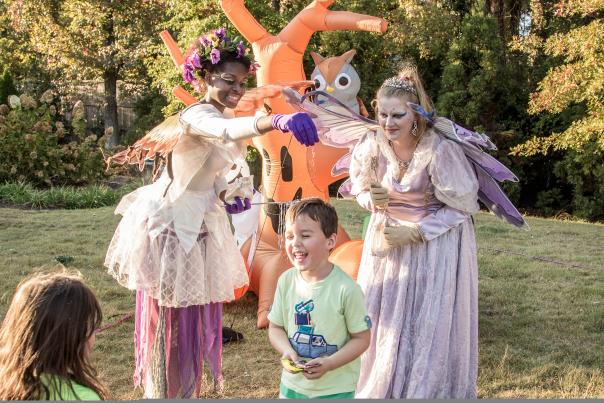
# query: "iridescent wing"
452,130
337,125
496,200
158,142
488,170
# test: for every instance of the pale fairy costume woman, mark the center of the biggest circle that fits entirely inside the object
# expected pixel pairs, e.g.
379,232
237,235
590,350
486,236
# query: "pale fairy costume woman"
419,267
174,244
420,175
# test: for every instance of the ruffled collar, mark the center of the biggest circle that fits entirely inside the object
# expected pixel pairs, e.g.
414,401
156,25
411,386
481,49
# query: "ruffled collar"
421,158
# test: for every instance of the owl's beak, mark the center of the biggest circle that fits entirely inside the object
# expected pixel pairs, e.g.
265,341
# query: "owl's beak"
329,89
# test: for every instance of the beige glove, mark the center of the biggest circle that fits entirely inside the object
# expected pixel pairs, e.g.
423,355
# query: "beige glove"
379,195
402,235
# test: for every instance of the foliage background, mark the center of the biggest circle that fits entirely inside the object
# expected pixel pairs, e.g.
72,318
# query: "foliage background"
529,73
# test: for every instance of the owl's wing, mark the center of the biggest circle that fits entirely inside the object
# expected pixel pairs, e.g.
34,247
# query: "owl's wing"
337,125
158,142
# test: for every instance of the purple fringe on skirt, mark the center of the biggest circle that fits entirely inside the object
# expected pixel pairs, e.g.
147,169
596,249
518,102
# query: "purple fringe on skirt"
169,362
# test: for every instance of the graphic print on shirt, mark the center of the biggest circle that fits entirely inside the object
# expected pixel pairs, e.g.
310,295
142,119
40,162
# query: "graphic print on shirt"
305,342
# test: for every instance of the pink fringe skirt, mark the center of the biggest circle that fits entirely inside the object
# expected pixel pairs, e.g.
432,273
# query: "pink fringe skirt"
171,345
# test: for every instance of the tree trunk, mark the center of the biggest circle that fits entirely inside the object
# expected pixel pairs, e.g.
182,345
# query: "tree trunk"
110,76
496,8
111,121
276,5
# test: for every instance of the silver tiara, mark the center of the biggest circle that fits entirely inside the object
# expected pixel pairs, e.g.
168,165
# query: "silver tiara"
400,83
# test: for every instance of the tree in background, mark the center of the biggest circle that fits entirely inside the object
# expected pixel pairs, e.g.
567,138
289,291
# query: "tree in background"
527,72
91,39
571,92
20,64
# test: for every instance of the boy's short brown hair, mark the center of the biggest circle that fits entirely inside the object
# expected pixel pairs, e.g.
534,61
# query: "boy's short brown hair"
317,210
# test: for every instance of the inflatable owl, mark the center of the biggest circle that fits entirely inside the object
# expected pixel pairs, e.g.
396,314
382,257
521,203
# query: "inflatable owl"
336,76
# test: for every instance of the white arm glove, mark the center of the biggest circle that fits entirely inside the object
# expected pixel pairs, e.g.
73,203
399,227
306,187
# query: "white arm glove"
400,235
379,195
205,120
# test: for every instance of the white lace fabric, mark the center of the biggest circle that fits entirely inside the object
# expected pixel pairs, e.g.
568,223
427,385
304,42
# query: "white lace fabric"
182,254
175,241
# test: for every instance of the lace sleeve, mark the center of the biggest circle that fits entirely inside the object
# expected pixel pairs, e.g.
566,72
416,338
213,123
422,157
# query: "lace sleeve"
206,120
363,164
453,177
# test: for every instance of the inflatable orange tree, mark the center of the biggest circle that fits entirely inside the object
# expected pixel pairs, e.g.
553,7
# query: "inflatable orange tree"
289,170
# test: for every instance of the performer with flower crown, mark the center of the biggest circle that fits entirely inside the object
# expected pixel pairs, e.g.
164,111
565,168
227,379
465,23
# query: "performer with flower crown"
174,244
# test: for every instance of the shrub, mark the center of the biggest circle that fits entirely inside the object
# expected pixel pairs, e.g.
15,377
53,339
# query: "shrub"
22,194
39,147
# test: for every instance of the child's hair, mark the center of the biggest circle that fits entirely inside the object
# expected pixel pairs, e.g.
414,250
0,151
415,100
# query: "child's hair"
45,333
317,210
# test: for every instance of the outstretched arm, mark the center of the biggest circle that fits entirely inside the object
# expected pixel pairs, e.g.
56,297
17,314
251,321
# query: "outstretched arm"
243,20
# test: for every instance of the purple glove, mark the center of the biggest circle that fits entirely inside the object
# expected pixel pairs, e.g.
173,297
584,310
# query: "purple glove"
239,206
300,124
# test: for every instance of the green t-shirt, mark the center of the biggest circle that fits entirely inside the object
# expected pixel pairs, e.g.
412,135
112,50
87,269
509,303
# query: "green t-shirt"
65,391
318,319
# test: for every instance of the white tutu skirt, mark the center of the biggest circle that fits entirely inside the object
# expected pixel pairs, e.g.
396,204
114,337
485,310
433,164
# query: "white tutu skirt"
180,254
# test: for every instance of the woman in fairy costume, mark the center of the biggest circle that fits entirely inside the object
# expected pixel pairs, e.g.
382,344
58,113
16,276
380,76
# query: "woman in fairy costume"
174,244
420,176
419,265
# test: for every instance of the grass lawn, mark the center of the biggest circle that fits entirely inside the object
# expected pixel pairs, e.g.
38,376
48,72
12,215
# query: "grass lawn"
541,323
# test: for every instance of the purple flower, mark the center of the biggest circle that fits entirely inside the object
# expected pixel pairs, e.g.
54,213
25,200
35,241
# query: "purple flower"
196,60
220,33
187,72
253,68
240,49
215,56
205,41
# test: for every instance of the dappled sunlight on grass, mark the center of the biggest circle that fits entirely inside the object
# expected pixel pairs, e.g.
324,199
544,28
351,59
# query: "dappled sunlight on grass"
541,321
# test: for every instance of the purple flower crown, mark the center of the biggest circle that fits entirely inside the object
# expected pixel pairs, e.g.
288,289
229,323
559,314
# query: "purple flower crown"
209,47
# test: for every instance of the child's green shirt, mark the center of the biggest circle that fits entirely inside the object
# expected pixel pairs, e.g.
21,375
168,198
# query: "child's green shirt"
318,319
61,389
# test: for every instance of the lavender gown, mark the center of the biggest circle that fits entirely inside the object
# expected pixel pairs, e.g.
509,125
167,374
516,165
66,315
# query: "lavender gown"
422,298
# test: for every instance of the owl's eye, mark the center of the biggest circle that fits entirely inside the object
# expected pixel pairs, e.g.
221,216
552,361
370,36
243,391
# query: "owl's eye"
320,82
342,81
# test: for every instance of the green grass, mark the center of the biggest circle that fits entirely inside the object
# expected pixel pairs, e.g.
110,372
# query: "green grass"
541,323
24,195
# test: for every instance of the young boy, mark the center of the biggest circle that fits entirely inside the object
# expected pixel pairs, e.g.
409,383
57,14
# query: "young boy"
318,320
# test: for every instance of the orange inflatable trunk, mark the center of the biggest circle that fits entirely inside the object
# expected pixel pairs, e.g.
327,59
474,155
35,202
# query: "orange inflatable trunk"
289,170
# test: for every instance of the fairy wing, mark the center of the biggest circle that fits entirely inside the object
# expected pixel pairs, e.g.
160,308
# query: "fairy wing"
496,200
452,130
255,98
158,142
337,125
488,170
